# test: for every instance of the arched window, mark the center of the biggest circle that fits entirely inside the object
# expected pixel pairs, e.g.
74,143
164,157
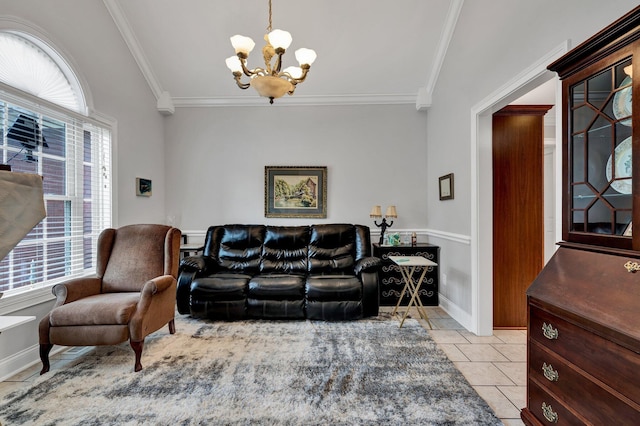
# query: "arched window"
72,153
27,67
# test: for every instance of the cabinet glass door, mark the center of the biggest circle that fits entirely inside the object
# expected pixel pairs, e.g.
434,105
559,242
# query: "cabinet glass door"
600,153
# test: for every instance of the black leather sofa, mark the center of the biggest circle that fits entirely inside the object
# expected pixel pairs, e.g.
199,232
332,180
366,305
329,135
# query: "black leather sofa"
320,272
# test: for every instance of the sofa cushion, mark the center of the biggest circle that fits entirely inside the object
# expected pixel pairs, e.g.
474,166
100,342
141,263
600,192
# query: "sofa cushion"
333,287
241,247
221,286
276,309
285,249
332,248
343,310
277,287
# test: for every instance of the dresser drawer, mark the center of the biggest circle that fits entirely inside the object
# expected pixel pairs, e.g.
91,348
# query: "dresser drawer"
548,410
610,363
579,390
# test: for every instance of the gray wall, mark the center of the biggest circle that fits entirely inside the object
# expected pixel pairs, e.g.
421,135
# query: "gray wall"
373,155
491,46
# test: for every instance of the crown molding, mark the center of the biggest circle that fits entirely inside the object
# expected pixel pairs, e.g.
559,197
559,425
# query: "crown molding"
295,100
163,98
425,94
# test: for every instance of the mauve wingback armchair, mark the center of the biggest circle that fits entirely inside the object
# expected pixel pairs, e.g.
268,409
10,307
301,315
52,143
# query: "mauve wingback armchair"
132,294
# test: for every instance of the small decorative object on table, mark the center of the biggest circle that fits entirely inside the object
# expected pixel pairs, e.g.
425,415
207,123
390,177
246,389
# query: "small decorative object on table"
393,239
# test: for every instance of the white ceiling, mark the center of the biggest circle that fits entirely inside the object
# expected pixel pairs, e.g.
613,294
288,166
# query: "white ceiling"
369,51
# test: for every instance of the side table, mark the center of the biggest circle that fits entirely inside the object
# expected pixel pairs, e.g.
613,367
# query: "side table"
408,266
186,249
391,280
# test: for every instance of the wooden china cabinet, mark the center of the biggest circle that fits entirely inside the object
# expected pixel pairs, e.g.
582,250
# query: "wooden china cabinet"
583,362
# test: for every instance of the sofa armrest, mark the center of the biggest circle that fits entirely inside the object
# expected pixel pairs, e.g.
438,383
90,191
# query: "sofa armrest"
370,293
190,268
183,292
367,264
194,264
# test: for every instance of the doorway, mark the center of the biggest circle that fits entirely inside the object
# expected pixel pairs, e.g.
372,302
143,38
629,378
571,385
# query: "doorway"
518,209
481,321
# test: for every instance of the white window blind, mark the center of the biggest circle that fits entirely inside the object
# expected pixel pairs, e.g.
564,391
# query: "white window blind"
27,67
73,156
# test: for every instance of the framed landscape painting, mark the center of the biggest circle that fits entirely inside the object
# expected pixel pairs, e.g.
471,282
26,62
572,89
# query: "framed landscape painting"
295,192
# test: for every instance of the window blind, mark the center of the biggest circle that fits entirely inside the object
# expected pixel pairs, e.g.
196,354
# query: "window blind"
73,155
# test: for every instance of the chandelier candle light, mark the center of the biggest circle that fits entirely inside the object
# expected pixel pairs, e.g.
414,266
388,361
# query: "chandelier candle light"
376,213
270,82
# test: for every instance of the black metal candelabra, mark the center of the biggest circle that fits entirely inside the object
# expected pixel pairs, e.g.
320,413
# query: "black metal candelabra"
383,227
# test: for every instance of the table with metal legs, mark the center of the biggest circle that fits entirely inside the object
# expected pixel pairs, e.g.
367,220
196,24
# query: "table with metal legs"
408,266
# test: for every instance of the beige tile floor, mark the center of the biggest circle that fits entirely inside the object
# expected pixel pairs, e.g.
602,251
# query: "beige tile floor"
495,366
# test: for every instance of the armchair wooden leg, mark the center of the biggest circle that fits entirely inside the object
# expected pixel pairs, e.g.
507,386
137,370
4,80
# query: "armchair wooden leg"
44,357
137,348
172,327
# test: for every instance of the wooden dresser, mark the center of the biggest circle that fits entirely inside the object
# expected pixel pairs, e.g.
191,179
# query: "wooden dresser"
584,341
583,362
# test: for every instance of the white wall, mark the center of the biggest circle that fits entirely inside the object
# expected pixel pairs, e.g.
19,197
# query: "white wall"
373,154
85,34
491,46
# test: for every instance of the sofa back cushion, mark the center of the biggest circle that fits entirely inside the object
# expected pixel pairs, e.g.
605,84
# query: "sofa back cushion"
332,248
363,242
285,249
240,247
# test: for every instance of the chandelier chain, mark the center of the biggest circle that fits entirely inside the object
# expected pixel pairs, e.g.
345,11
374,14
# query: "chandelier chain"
269,27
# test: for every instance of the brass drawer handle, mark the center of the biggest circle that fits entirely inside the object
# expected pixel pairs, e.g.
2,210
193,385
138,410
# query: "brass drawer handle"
549,414
549,373
549,332
632,266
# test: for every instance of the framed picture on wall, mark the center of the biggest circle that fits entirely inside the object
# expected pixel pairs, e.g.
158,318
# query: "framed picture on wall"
143,187
446,187
295,192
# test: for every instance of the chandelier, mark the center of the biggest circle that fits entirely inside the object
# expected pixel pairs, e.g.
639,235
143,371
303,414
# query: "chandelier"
270,81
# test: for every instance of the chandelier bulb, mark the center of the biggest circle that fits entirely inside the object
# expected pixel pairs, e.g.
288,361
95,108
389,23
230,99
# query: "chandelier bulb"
280,39
305,56
233,63
242,44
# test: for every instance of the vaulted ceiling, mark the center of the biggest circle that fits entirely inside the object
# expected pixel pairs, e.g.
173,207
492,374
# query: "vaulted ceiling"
369,51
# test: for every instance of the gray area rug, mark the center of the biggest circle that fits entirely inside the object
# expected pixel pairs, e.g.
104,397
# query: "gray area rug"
367,372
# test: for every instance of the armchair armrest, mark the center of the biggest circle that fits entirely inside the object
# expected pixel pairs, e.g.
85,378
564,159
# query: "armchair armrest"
155,308
152,288
367,264
76,288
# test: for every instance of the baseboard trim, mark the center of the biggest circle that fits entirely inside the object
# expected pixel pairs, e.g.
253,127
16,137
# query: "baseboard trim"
22,360
455,312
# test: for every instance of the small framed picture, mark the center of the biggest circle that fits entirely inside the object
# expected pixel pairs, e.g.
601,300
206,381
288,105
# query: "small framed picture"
446,187
143,187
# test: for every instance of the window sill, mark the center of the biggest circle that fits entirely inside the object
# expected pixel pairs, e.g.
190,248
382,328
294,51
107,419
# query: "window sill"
21,301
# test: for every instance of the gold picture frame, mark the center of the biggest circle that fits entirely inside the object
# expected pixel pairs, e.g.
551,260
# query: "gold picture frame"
295,192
